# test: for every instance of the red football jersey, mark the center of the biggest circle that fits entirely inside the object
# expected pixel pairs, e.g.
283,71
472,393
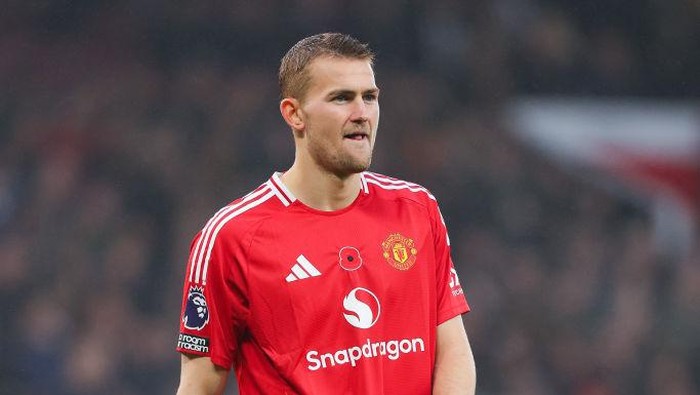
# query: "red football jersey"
302,301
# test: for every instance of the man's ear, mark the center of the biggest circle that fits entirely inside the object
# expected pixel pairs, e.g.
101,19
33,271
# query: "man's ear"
292,113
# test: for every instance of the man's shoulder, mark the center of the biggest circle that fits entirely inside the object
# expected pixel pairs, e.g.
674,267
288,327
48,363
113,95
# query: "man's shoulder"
395,188
244,212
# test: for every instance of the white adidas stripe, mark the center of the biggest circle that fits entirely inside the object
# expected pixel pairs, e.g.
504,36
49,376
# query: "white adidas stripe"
202,252
299,272
396,187
278,184
388,180
393,184
392,181
223,222
308,266
198,253
381,181
290,278
279,194
363,180
302,269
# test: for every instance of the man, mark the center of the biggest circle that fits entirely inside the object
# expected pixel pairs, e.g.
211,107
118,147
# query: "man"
327,279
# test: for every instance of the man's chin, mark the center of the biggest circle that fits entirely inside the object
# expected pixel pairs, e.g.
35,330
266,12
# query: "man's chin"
353,168
361,166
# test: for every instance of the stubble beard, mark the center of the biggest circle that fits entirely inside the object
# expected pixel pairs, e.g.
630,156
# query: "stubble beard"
337,161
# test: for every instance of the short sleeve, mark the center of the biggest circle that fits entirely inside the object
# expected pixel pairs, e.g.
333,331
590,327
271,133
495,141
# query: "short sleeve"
214,303
451,300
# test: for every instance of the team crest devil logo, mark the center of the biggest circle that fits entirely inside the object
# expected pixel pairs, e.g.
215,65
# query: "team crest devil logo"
399,251
196,312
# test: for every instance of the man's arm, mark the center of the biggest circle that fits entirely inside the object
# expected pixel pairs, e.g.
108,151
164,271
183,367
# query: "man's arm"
455,372
199,376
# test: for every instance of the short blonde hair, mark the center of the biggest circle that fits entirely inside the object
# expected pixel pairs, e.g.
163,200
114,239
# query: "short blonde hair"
294,78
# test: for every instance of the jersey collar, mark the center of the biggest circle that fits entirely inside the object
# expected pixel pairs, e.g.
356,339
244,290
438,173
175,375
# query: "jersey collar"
287,197
277,186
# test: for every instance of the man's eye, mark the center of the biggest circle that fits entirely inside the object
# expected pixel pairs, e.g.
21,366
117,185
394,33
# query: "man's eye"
370,97
341,99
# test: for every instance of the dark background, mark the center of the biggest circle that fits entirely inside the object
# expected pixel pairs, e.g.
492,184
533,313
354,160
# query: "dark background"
125,124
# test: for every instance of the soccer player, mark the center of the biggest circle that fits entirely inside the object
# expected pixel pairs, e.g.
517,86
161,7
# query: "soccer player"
328,278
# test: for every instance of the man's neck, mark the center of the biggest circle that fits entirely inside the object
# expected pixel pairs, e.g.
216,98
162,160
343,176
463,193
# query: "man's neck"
322,190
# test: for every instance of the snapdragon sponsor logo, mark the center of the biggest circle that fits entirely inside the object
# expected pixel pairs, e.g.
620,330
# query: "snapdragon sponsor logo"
392,349
361,314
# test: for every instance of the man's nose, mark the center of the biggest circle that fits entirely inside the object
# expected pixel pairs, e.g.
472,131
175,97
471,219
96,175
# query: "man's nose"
360,111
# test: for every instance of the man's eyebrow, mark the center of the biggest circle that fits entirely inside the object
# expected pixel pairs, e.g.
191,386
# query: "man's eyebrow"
337,92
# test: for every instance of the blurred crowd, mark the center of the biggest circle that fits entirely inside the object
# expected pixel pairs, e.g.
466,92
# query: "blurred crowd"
125,124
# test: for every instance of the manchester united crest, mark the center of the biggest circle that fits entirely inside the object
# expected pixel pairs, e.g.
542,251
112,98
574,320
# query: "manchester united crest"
399,251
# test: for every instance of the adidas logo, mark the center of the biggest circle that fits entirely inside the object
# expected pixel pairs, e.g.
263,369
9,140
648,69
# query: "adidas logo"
302,269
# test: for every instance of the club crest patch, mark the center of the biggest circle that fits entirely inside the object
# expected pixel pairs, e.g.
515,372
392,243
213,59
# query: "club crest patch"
196,312
399,251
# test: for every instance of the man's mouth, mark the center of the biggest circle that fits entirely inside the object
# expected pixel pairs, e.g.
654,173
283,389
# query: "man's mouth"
358,136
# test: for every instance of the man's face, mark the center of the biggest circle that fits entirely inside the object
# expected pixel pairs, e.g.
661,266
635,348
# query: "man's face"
341,115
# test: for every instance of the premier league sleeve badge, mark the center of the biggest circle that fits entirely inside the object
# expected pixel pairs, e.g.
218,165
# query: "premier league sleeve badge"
196,314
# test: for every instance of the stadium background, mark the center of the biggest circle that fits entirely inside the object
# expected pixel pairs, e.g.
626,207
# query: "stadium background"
124,124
